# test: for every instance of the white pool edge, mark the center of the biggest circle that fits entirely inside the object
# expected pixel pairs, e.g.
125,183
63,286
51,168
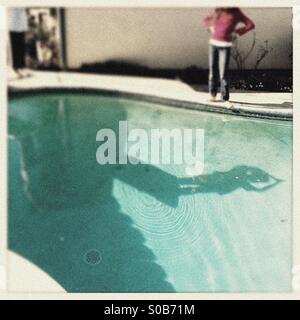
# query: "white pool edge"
172,92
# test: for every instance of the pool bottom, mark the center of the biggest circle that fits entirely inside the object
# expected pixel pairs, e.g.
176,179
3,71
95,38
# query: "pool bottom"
133,229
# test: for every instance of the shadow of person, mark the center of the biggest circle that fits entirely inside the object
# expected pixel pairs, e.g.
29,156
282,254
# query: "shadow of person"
240,177
63,215
149,179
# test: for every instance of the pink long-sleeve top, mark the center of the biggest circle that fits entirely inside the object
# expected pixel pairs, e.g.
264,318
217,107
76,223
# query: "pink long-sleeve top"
225,24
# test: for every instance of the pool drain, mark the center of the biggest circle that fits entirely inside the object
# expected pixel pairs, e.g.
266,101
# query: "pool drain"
93,257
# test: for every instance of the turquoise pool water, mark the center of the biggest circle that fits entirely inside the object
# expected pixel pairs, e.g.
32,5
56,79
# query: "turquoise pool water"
126,228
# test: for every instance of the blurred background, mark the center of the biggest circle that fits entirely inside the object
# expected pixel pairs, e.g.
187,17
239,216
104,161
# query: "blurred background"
159,42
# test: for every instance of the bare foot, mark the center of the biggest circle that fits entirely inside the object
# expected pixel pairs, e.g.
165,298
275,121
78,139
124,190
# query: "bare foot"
229,105
213,99
19,73
26,73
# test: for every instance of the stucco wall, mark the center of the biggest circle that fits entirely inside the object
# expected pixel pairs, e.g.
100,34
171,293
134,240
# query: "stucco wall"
166,37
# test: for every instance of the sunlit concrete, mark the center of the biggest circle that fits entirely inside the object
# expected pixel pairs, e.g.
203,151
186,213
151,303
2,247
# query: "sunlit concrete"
25,277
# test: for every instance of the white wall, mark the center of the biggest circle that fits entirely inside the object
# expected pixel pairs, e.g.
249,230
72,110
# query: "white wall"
165,37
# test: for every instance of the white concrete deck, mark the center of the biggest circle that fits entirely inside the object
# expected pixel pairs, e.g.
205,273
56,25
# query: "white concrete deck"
25,277
259,104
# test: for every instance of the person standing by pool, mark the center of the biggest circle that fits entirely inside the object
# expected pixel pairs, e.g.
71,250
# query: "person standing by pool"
18,26
222,25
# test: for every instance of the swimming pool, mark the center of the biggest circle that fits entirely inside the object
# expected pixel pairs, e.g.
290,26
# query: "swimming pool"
126,228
